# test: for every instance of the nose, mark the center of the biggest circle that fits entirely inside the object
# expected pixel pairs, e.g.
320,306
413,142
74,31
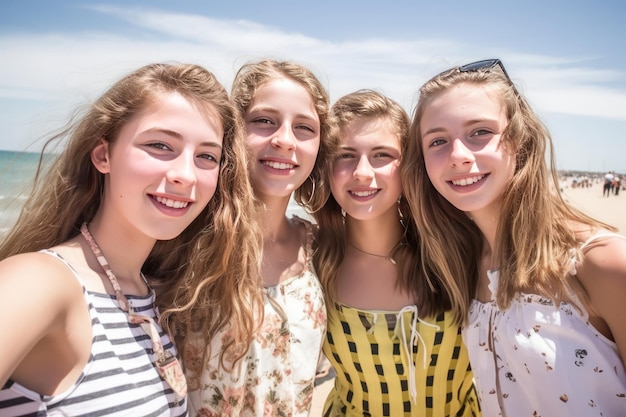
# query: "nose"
363,169
460,153
284,137
182,170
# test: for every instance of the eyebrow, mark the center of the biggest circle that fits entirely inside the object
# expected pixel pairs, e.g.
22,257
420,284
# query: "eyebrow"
375,148
178,136
272,110
468,123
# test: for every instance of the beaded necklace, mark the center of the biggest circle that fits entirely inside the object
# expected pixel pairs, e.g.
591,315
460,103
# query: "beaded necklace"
166,364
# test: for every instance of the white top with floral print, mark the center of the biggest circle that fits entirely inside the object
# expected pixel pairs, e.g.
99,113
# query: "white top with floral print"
537,360
277,375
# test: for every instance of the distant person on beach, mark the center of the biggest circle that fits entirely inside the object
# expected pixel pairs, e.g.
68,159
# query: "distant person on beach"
145,164
543,283
272,372
608,184
395,347
616,184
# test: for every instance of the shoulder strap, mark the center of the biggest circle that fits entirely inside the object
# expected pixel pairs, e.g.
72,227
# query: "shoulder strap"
600,235
69,266
308,243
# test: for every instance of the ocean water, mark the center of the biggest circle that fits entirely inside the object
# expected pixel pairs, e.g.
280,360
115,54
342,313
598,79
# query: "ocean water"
17,170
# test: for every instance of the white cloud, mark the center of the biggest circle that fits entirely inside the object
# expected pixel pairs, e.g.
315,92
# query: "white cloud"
71,68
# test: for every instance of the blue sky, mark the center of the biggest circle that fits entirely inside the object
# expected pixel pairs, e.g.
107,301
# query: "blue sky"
567,57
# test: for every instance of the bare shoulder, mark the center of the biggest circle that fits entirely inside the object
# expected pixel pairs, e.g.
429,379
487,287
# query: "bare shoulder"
36,279
307,228
42,298
606,253
602,272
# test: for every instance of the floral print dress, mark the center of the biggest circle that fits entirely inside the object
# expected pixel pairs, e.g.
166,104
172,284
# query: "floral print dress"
277,375
536,359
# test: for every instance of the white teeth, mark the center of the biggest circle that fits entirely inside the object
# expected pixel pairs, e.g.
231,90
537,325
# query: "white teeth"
468,181
363,193
278,165
172,203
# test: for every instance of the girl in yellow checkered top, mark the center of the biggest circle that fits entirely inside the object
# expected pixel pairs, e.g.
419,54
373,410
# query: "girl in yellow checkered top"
392,340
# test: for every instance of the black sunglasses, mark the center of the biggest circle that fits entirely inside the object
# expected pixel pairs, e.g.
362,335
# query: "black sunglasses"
486,65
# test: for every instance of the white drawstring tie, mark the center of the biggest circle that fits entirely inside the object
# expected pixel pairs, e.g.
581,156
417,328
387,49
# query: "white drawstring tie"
412,341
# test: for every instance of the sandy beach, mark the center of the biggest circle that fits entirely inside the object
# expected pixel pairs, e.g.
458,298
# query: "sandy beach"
610,209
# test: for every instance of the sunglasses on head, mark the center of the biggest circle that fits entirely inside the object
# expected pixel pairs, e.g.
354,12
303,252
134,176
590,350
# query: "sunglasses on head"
486,65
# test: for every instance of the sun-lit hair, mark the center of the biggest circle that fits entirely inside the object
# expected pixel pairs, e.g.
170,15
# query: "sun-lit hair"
359,105
253,75
209,278
534,233
222,241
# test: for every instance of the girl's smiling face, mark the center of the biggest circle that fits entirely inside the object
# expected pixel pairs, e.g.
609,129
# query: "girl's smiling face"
466,161
283,130
163,168
365,179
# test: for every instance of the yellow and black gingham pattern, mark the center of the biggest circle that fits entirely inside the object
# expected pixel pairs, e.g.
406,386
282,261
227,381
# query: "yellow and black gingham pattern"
372,371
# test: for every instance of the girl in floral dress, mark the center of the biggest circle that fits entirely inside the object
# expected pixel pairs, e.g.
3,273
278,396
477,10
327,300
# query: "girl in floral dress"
544,284
285,110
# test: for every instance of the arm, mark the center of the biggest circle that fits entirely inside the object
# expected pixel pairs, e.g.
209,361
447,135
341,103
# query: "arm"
469,395
603,275
34,301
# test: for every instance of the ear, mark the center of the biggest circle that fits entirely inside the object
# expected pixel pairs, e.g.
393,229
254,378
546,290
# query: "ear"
100,156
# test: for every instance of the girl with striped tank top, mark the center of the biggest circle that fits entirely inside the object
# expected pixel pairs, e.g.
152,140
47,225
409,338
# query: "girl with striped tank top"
395,347
145,164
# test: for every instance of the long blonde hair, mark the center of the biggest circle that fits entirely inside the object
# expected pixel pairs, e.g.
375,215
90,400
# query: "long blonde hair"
253,75
368,104
534,233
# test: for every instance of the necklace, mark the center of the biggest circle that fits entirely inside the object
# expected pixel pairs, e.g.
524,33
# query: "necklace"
387,257
166,364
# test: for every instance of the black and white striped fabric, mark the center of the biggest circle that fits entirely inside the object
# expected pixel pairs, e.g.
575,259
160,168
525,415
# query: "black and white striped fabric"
119,378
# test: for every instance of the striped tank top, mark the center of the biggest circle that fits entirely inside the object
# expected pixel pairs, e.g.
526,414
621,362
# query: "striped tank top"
396,364
119,378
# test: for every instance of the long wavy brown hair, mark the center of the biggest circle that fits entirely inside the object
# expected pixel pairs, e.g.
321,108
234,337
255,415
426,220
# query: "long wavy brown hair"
207,274
68,190
534,233
208,279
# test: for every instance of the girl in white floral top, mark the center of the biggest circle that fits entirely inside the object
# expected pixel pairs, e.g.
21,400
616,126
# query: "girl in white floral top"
285,111
544,283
